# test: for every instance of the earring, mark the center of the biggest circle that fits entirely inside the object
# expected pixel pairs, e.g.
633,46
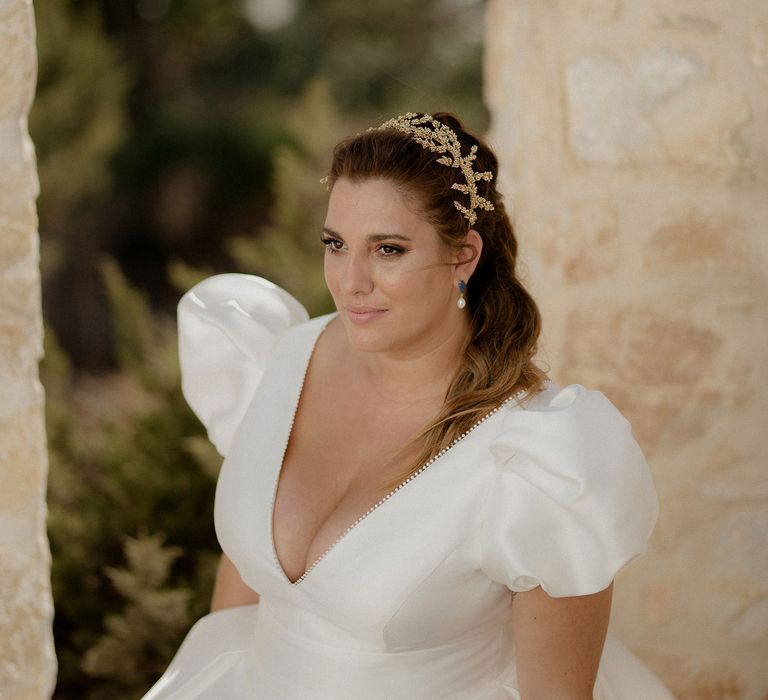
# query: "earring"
462,302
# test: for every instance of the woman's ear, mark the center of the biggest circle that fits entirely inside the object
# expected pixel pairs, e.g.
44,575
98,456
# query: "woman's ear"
468,255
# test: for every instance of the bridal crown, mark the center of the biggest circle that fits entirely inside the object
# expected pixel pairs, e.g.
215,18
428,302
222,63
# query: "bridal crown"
440,138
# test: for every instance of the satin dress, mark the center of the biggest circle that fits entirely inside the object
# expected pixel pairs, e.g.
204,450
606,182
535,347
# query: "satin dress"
413,600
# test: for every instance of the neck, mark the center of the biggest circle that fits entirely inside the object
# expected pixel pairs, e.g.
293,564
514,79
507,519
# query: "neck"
421,372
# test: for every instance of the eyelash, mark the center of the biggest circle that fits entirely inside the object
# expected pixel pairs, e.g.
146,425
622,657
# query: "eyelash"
328,241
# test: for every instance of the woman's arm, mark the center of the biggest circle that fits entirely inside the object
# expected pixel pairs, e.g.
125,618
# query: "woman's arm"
559,642
229,591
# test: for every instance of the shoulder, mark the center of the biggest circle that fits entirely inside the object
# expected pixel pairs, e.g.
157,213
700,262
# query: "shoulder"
572,499
569,400
229,327
570,441
572,417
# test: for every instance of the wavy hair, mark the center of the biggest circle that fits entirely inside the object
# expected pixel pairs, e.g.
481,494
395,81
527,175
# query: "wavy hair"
498,359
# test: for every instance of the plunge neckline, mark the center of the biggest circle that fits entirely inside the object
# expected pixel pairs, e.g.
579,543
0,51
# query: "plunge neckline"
314,338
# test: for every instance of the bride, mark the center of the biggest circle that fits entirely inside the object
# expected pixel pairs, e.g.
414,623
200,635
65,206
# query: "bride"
408,506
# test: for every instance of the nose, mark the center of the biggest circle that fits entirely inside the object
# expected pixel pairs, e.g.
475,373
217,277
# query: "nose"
356,275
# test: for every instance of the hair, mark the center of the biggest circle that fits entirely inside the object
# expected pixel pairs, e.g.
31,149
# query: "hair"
498,360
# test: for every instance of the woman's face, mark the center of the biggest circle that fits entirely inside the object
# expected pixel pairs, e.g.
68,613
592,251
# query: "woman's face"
383,269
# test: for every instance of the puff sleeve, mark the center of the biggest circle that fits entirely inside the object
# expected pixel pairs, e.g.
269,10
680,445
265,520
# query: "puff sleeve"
572,500
228,326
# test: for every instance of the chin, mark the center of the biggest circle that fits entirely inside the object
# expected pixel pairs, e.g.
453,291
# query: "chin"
390,339
367,339
373,336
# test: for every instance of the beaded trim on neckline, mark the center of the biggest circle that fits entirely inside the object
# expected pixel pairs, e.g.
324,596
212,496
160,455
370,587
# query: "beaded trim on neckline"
314,339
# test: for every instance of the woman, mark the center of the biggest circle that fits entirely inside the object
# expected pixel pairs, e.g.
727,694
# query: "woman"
408,507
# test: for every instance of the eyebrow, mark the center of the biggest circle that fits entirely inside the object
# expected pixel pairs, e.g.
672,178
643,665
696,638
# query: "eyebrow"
372,238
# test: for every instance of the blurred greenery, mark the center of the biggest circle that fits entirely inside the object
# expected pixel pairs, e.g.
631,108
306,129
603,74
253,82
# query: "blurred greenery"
289,242
176,140
156,125
126,469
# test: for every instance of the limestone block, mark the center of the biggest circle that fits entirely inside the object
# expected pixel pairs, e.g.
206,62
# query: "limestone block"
711,244
632,139
661,105
583,244
27,662
608,123
18,69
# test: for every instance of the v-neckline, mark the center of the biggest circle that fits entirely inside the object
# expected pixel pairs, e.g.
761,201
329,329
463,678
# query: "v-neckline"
315,336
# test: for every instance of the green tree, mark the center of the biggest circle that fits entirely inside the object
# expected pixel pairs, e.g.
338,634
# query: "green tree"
287,250
143,636
128,459
157,125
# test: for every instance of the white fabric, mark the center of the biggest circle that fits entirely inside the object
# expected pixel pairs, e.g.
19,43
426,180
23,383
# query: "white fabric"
576,496
228,325
414,600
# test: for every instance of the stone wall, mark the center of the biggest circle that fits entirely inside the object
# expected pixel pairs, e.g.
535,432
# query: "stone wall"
27,663
633,140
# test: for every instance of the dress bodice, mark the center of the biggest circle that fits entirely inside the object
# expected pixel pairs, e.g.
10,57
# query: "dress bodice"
413,599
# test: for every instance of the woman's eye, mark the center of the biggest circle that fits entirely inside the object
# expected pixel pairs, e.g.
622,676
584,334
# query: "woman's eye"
328,242
390,250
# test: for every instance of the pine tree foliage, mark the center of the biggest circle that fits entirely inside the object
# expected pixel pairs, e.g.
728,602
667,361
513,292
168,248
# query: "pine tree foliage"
128,462
131,317
143,343
140,639
287,250
79,118
183,276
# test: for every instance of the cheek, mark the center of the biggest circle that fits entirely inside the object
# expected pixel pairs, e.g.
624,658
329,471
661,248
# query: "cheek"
407,287
331,272
399,282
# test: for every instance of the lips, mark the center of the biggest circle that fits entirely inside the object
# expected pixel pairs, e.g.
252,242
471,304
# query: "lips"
363,309
364,314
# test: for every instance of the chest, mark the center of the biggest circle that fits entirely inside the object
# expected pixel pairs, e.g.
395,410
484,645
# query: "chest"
343,451
399,568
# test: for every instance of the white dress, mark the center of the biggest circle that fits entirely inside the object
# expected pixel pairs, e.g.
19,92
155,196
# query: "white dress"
413,600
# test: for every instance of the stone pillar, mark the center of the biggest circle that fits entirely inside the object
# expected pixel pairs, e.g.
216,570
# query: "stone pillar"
27,661
633,138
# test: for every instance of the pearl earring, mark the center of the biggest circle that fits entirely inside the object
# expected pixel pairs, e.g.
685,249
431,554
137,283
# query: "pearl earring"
462,302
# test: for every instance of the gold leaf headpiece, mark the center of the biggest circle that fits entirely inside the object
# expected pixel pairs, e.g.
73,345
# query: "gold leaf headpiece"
440,138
